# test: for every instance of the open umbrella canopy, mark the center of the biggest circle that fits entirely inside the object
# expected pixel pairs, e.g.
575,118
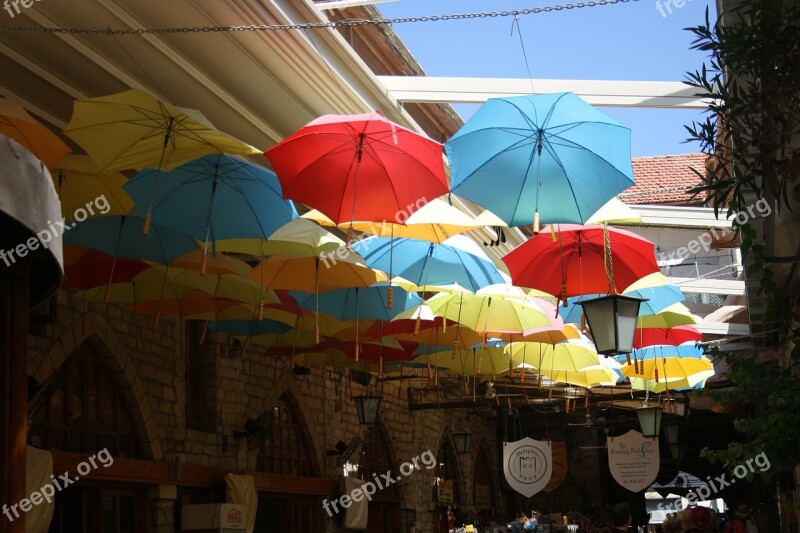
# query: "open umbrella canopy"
570,260
134,129
548,153
249,327
674,315
215,264
427,263
80,185
678,335
122,236
201,197
85,268
360,302
489,360
297,237
667,369
484,313
310,274
435,221
561,356
359,167
16,123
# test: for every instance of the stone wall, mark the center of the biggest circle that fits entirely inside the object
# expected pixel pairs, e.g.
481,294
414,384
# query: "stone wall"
148,359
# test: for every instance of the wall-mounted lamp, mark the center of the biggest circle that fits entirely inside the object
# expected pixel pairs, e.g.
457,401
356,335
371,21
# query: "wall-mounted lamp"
462,441
367,408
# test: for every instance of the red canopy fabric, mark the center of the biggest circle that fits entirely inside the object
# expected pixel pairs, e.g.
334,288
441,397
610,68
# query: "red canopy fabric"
670,336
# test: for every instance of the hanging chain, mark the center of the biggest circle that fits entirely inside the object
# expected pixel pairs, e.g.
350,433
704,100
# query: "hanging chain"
609,261
318,25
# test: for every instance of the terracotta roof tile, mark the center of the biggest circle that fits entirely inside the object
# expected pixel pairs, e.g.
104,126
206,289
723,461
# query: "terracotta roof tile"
665,180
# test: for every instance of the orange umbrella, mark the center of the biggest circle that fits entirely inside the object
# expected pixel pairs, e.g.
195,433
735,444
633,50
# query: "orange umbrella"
18,124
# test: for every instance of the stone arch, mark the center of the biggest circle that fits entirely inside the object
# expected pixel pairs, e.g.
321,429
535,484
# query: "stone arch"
459,474
482,452
96,331
286,385
393,459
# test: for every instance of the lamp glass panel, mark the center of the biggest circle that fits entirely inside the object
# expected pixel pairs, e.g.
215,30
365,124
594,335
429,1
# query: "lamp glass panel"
627,315
600,316
649,420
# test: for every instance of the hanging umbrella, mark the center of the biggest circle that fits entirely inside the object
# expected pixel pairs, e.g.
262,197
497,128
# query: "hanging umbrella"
668,369
296,237
615,211
484,313
359,167
200,197
249,327
80,184
134,129
16,123
570,260
552,155
216,264
475,361
121,236
561,356
678,335
85,268
427,263
669,317
310,274
189,305
359,303
436,221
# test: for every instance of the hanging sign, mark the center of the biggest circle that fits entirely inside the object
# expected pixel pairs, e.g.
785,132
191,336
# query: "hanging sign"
444,489
483,498
559,466
527,465
634,460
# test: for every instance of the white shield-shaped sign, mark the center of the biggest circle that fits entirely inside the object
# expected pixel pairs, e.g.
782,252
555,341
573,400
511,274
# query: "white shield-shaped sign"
527,465
634,460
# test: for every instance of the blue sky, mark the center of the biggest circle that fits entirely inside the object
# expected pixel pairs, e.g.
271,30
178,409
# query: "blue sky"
624,41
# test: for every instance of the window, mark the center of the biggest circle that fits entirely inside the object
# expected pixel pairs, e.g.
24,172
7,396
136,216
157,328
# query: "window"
85,410
285,448
200,379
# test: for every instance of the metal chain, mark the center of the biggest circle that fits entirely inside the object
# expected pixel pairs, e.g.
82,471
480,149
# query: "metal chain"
317,25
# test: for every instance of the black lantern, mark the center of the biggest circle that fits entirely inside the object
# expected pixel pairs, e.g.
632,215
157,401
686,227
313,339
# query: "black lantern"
367,408
612,322
462,441
649,420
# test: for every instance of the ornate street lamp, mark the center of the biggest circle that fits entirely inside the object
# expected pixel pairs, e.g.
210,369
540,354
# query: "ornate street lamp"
462,441
649,420
612,322
367,408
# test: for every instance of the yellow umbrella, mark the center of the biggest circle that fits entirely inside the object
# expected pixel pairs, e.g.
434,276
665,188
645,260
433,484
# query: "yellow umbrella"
474,361
225,286
435,221
298,237
663,385
484,313
586,377
553,335
16,123
656,279
615,212
214,264
133,129
667,368
80,184
570,356
674,315
312,275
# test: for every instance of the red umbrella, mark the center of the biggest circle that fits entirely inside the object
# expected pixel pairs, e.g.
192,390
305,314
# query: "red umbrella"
670,336
570,260
359,168
85,268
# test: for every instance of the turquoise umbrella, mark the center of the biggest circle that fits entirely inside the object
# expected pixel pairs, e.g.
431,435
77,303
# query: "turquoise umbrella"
552,155
360,302
427,263
214,197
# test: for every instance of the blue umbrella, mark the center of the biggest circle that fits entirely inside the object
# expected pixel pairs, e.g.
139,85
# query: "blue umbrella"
548,154
687,350
427,263
121,236
359,303
214,197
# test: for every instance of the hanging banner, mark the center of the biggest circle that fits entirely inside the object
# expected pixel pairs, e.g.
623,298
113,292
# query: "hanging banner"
559,466
527,465
634,460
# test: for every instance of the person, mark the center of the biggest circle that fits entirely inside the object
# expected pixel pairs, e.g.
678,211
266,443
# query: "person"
742,521
691,520
620,517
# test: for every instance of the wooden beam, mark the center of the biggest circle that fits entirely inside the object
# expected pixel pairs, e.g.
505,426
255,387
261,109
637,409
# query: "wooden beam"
649,94
121,469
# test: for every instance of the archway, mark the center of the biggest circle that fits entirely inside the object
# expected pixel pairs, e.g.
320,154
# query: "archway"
448,485
377,458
